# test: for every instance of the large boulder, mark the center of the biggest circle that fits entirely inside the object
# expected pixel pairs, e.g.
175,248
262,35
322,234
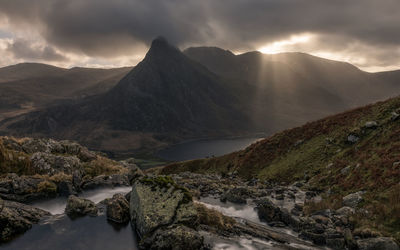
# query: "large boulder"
161,210
118,209
16,218
379,243
77,207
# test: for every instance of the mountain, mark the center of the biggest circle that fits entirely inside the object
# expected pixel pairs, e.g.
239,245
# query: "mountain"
166,96
354,151
173,96
298,84
27,86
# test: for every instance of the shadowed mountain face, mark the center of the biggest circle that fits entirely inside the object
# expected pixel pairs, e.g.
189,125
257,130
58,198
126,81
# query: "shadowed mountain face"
171,96
167,95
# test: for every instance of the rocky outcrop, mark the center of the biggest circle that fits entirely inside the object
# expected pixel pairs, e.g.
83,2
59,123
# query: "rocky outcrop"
26,188
50,164
16,218
118,209
33,169
161,212
77,207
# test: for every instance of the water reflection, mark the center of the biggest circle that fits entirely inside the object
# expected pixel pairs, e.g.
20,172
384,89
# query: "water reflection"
204,148
57,205
82,233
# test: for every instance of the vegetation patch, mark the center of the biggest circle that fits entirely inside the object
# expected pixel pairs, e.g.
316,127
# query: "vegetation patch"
47,187
214,219
103,166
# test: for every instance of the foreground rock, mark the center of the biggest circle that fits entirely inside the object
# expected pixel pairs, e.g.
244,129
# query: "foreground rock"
164,215
77,207
118,209
16,218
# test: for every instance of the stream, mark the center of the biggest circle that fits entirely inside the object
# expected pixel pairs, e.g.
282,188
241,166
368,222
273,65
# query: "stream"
61,232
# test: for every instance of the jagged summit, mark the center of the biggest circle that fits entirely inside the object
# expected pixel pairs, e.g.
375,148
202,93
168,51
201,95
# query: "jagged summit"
160,48
159,41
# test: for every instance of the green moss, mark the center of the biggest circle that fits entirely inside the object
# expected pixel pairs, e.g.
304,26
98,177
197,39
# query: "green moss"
167,182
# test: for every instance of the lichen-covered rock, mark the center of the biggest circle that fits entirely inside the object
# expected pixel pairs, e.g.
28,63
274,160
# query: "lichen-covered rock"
161,210
16,218
32,145
379,243
118,209
77,207
156,202
352,200
50,164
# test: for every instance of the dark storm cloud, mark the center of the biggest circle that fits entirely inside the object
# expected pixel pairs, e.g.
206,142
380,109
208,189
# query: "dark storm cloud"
22,49
108,28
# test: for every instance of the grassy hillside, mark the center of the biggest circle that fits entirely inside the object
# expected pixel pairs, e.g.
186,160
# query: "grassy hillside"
321,153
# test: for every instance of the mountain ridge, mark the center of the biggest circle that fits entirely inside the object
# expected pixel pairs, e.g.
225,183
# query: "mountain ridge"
171,96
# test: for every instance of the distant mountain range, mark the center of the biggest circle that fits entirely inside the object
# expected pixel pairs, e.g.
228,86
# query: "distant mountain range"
201,92
27,86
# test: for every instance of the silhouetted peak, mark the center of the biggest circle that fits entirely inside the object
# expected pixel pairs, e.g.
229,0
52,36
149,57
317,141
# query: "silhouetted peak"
160,48
159,42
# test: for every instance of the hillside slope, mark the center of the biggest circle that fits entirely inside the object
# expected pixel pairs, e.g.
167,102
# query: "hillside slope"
341,154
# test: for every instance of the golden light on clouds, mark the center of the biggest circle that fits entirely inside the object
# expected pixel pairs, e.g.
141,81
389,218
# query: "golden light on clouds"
285,45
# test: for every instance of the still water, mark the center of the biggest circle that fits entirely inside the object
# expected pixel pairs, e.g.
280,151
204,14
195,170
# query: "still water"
61,233
204,148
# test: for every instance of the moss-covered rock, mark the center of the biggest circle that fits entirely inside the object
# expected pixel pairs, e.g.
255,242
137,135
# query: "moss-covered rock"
77,207
158,203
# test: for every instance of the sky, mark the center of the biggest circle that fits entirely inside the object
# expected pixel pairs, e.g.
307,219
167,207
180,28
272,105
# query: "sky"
104,33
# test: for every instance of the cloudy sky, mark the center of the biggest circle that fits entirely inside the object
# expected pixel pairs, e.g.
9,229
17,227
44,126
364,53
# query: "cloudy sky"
105,33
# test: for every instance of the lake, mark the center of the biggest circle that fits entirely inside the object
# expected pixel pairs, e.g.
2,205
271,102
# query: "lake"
204,148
